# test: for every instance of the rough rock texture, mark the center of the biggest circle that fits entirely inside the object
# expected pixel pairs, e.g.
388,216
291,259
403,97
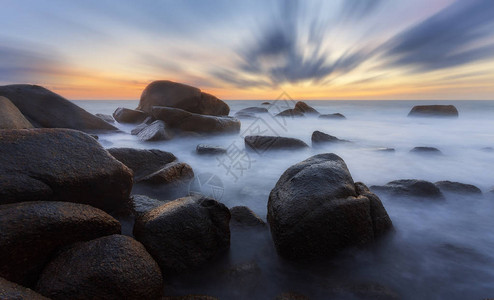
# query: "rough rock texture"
174,173
186,121
184,233
335,116
264,143
457,187
32,231
305,108
111,267
13,291
125,115
106,118
44,108
434,111
426,150
290,113
177,95
156,131
244,216
316,209
410,188
141,204
11,117
319,137
60,165
210,149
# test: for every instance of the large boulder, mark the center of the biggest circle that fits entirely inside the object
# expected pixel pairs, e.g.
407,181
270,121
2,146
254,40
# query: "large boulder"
178,95
434,111
60,165
43,108
458,188
13,291
184,233
125,115
265,143
32,231
186,121
319,137
11,117
410,188
111,267
316,209
305,108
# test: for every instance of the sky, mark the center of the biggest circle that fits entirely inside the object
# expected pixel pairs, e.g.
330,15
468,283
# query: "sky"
252,49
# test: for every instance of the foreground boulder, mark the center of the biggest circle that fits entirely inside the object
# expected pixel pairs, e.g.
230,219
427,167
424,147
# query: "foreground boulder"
13,291
60,165
141,204
177,95
316,209
434,111
11,117
111,267
458,188
125,115
32,231
260,143
319,137
184,233
410,188
185,121
44,108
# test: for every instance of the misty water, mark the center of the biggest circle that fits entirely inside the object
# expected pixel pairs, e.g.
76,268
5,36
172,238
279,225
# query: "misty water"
439,250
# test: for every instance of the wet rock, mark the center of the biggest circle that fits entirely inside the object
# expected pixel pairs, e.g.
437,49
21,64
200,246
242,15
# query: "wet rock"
434,111
106,118
335,116
457,187
156,131
264,143
316,210
176,95
186,121
184,233
126,115
426,150
44,108
143,125
13,291
244,216
305,108
292,113
141,204
11,117
410,188
111,267
210,149
319,137
175,173
60,165
32,231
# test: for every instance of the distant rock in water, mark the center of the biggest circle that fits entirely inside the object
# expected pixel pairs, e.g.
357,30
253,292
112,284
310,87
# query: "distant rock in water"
434,111
46,109
250,112
388,150
11,117
210,149
125,115
177,95
335,116
458,188
265,103
10,290
410,188
265,143
316,210
305,108
106,118
290,113
426,150
319,137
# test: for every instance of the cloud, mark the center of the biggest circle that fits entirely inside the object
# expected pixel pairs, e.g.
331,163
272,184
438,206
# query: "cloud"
358,9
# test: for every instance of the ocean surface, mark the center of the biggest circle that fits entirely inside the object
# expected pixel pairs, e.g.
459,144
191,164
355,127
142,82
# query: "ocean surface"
440,250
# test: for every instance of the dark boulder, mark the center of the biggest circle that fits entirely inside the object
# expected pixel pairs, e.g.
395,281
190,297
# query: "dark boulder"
176,95
426,150
292,113
316,209
244,216
111,267
335,116
434,111
13,291
410,188
60,165
185,121
126,115
305,108
175,174
106,118
260,143
11,117
265,103
32,231
319,137
184,233
44,108
210,149
141,204
458,188
156,131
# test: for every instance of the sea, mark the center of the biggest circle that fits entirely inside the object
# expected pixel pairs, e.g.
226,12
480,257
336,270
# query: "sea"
439,250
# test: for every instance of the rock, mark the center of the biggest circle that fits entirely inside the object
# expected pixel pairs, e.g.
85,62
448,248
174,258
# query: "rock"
316,209
175,173
426,150
189,297
265,103
186,121
410,188
291,296
11,117
487,149
156,131
184,233
244,216
181,96
458,188
126,115
319,137
106,118
60,165
290,113
44,108
143,125
364,291
434,111
385,150
253,110
335,116
33,231
111,267
305,108
140,204
13,291
263,143
210,149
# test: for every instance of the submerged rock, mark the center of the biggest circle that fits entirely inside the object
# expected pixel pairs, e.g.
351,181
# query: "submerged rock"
244,216
290,113
426,150
126,115
156,131
305,108
44,108
253,110
458,187
176,95
319,137
111,267
434,111
410,188
265,103
316,209
32,231
13,291
260,143
11,117
210,149
335,116
60,165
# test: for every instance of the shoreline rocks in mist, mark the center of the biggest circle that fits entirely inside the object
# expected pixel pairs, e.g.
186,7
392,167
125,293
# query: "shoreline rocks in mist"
305,108
106,118
203,149
426,151
410,188
335,116
250,112
448,111
11,117
315,209
126,115
156,131
260,143
458,188
292,113
319,138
